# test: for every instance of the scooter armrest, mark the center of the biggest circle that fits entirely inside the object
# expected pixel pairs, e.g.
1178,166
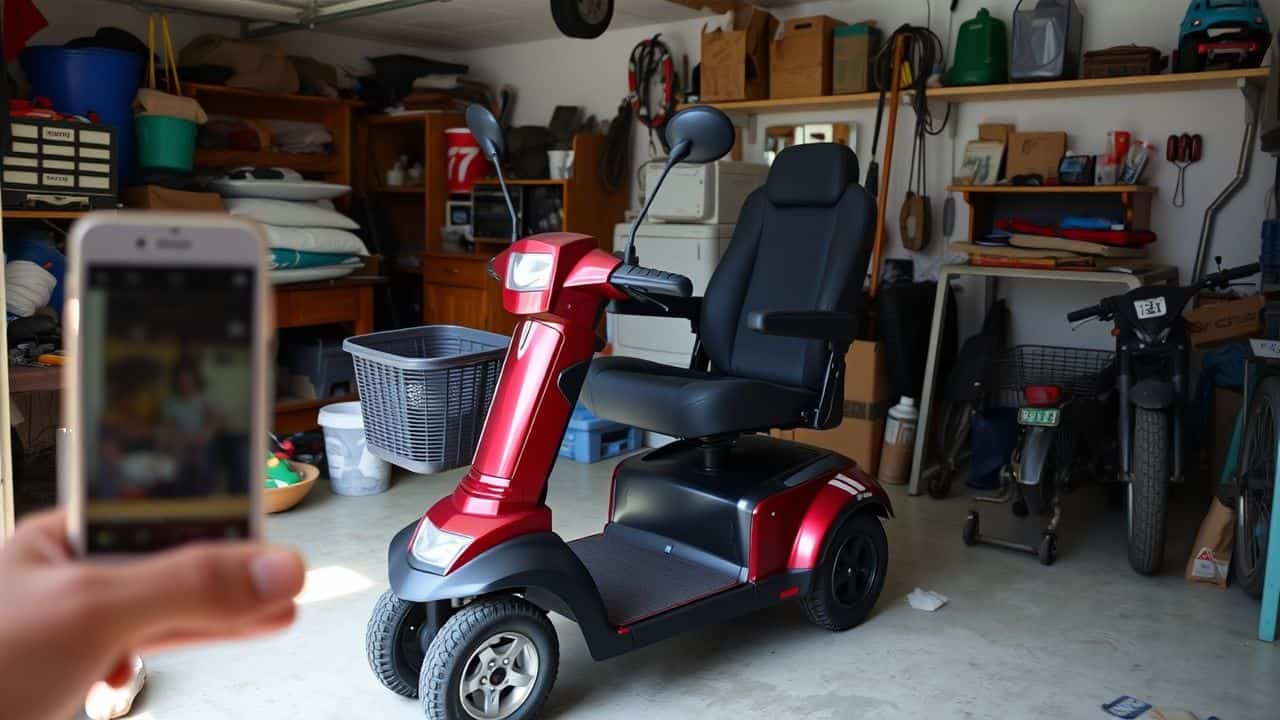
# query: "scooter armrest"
836,327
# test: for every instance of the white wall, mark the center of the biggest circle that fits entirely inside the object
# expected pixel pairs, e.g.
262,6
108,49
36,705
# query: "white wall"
592,73
75,18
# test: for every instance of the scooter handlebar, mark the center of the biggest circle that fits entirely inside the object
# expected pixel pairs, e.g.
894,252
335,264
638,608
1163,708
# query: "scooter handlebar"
649,281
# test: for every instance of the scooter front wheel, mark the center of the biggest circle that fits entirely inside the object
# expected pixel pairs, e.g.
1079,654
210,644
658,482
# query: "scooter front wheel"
1148,490
847,583
393,643
496,659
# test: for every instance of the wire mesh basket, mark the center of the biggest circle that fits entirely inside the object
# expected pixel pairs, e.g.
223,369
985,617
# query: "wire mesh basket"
425,392
1079,373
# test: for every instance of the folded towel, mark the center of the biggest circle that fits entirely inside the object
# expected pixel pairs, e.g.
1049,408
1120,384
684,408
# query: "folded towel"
317,240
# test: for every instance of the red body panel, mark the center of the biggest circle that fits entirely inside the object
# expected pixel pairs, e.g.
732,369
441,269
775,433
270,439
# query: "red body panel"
501,495
834,494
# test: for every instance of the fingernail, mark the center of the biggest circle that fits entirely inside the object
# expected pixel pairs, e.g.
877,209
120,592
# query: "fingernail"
277,574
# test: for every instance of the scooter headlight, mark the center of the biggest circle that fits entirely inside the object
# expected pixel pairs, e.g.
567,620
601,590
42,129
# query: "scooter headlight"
529,271
438,548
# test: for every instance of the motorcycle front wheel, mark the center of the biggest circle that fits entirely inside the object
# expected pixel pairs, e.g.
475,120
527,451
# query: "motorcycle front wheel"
1148,498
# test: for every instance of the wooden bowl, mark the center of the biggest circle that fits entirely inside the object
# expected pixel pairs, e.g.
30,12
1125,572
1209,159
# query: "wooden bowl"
276,500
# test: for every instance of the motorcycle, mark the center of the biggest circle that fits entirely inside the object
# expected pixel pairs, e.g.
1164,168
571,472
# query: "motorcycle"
1152,357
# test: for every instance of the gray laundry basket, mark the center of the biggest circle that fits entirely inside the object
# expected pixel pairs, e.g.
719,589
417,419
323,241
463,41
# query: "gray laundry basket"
425,392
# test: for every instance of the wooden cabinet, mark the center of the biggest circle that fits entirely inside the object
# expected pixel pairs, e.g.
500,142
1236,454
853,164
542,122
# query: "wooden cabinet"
449,305
456,285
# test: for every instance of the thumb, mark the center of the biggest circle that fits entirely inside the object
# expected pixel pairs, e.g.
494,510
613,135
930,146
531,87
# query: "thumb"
209,586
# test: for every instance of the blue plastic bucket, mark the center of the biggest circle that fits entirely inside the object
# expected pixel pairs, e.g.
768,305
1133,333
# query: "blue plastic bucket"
84,80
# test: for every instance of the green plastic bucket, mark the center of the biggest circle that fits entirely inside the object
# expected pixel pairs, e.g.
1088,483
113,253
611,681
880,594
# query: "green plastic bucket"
165,143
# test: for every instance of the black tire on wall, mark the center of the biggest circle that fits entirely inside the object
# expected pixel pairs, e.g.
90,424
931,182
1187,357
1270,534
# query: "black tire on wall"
585,19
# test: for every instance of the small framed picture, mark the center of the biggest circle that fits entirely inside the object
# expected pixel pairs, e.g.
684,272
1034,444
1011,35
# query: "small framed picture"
982,160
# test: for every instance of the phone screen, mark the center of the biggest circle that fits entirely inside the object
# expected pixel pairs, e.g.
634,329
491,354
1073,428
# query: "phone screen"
167,382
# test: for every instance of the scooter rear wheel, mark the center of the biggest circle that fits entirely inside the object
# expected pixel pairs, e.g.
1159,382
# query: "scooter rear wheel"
495,659
847,583
393,643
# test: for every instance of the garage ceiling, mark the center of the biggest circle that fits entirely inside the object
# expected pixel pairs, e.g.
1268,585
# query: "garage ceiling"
451,24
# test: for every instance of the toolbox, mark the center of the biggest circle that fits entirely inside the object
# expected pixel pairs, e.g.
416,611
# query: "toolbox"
61,165
1123,61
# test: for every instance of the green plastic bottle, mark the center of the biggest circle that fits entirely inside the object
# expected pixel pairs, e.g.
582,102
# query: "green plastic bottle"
982,52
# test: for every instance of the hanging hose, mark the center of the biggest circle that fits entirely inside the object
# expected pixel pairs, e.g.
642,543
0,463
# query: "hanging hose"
614,163
650,59
923,52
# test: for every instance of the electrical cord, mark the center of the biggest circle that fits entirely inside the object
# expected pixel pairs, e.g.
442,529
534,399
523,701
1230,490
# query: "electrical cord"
614,163
923,51
651,59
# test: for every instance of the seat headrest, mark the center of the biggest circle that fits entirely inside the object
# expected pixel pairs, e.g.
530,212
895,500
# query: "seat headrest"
813,175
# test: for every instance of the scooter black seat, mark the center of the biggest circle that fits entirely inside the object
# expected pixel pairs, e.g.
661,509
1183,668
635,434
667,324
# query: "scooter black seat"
688,403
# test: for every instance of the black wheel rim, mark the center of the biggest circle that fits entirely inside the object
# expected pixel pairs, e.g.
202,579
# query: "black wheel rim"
1255,498
854,572
409,650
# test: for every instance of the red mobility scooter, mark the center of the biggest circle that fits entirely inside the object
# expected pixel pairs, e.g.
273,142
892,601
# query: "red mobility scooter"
723,522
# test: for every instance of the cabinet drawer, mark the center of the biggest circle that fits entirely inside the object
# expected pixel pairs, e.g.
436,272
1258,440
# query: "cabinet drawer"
464,273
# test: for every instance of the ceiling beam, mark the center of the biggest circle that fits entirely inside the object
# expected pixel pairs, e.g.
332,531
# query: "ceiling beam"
316,17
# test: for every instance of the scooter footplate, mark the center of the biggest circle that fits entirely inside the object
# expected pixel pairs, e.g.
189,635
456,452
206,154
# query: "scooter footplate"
637,583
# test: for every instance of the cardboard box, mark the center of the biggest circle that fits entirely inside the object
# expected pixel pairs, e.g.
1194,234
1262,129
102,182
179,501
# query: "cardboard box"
155,197
800,60
1035,152
997,132
1222,321
735,63
852,48
866,405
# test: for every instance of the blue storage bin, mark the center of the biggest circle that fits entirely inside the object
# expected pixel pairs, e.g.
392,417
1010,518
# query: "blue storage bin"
80,81
590,439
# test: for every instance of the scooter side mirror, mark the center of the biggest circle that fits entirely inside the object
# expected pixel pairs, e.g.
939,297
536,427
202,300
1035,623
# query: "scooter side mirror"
706,134
485,129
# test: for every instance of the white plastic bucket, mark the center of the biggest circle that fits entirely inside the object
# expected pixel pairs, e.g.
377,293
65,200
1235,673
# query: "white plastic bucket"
353,470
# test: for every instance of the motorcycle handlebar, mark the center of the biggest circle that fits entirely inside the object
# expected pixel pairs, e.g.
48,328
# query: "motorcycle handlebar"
1220,279
650,281
1084,313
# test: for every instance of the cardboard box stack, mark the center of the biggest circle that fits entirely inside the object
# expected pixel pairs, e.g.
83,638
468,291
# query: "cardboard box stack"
735,63
800,61
866,404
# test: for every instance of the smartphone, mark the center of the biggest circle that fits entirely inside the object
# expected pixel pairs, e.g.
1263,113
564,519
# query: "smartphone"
165,381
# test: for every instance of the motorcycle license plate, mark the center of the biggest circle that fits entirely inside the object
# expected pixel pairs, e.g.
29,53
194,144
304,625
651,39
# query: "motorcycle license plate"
1039,417
1150,308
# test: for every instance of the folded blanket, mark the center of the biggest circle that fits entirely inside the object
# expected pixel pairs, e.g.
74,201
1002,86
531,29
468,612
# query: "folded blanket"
290,213
317,240
282,259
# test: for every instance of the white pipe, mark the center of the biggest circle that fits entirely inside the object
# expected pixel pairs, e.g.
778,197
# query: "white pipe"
263,10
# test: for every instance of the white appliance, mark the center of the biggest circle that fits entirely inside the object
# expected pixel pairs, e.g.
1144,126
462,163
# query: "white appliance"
712,193
691,250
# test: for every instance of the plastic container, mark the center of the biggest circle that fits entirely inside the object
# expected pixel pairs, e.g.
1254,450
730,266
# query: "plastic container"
1047,41
466,164
425,392
899,442
353,469
982,52
165,144
590,439
80,81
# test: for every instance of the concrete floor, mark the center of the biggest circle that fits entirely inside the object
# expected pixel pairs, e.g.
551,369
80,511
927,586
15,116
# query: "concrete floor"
1017,640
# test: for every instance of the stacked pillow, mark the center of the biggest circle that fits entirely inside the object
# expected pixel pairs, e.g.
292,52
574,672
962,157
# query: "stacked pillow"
308,239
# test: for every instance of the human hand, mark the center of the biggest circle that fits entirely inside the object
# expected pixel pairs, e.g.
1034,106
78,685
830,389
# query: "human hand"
65,624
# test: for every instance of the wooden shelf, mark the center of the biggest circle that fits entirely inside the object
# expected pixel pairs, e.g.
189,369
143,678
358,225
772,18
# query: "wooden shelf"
1211,80
535,181
401,190
405,119
202,90
296,161
42,214
1052,189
